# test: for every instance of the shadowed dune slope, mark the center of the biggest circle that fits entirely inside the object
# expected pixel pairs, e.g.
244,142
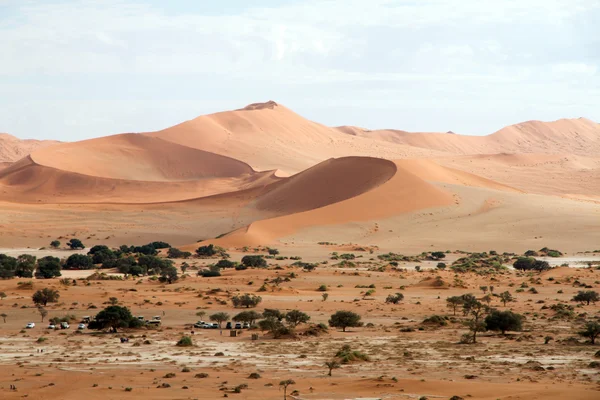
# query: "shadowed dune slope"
269,136
13,149
138,157
401,193
574,136
29,182
328,182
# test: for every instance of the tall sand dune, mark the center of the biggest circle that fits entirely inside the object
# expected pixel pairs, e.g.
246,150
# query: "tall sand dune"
138,157
268,136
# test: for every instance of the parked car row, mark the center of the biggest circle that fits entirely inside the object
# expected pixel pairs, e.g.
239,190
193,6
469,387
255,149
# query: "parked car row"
213,325
62,325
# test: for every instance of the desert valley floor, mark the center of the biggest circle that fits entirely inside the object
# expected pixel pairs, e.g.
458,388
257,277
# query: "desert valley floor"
342,219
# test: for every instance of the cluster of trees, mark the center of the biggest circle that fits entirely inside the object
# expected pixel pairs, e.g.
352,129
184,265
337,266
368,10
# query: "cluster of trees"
530,264
22,266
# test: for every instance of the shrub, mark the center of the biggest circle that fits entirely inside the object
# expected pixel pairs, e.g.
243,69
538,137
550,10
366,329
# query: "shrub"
254,261
435,320
346,355
394,298
296,317
185,341
211,272
322,288
254,375
176,253
55,244
75,244
530,264
226,264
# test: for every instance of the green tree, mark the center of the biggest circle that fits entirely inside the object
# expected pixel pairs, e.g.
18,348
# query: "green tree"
45,296
285,385
454,303
206,251
345,319
503,321
273,326
79,261
331,365
254,261
114,317
48,267
169,274
506,297
249,317
530,264
219,318
55,244
8,266
75,244
477,311
25,266
586,296
591,330
438,255
296,317
246,300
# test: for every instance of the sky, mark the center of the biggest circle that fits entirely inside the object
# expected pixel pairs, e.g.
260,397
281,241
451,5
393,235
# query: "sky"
76,69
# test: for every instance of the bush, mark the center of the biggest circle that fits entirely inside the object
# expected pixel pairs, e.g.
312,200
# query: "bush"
503,321
322,288
75,244
211,272
435,320
394,298
254,261
185,341
346,355
55,244
174,252
225,264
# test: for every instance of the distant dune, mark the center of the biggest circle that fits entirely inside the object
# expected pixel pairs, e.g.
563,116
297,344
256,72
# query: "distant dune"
12,148
263,173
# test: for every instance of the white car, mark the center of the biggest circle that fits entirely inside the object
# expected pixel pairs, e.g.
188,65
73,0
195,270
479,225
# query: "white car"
81,326
30,325
51,326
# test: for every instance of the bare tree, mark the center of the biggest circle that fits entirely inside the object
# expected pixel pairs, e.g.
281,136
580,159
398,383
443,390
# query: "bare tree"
43,312
333,364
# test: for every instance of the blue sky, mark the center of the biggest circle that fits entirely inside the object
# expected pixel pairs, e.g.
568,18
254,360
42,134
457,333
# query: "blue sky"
75,69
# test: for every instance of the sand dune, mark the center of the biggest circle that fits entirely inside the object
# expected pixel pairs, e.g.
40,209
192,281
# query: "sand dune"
12,148
138,157
269,136
403,192
29,182
573,136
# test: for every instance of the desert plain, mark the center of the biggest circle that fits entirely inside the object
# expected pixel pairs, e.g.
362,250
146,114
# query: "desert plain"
385,224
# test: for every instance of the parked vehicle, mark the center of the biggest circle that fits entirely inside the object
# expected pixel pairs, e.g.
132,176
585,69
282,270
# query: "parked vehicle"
228,326
140,317
86,319
64,325
81,326
199,324
238,325
153,322
51,326
30,325
156,318
246,325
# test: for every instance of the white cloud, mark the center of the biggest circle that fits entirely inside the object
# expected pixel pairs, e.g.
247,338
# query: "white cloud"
97,52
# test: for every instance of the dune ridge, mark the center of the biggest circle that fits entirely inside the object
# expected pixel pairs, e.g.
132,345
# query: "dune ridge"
12,148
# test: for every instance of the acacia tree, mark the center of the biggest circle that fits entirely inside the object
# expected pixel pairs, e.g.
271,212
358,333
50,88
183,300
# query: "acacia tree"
586,296
503,321
285,385
114,317
249,317
246,300
219,318
453,303
591,330
331,365
296,317
44,296
75,244
345,319
474,308
506,297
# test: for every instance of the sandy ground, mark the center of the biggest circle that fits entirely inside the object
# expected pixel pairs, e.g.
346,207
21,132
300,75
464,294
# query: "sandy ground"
404,365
